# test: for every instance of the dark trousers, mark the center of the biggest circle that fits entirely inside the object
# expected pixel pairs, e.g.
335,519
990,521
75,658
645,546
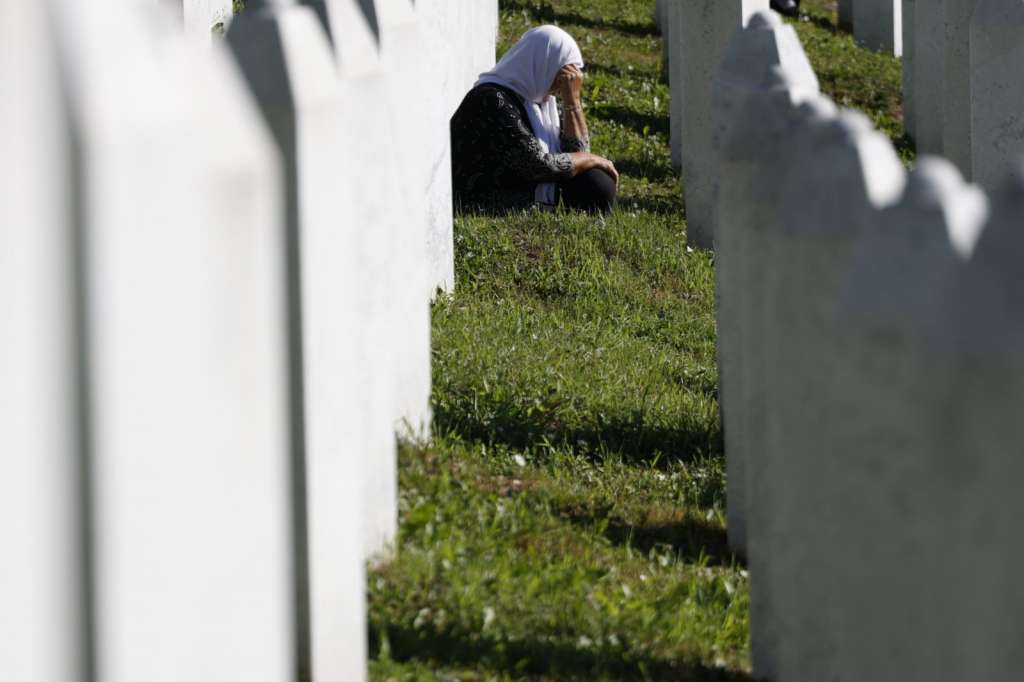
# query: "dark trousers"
593,192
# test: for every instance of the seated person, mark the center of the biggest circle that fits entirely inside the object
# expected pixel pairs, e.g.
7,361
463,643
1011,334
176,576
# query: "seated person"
510,148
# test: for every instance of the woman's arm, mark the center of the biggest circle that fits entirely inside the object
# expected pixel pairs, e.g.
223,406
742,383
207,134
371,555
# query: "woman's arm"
568,87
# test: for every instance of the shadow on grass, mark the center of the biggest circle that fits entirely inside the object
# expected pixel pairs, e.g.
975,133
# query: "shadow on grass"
688,537
533,657
632,439
543,12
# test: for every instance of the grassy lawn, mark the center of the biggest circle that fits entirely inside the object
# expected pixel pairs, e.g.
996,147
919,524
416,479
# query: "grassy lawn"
568,521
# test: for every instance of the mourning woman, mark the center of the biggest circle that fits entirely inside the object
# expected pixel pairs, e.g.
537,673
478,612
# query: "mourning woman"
520,139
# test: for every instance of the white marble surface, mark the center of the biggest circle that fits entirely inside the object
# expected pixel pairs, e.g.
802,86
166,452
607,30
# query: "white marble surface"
763,79
183,297
41,501
283,51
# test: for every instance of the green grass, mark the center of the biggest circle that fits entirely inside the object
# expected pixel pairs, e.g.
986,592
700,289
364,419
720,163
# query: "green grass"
568,521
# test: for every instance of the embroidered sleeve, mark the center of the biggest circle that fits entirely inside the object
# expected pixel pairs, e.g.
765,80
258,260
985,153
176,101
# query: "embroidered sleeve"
576,144
523,160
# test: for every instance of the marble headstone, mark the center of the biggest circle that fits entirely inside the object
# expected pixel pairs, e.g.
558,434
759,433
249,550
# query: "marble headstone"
282,50
888,481
844,173
42,500
997,91
705,29
878,25
956,103
764,77
176,205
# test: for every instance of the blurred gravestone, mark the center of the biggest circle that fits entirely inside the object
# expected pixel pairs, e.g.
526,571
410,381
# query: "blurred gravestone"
888,482
878,25
763,79
909,69
705,29
176,204
997,91
283,52
843,173
202,18
379,212
926,63
956,109
986,323
42,505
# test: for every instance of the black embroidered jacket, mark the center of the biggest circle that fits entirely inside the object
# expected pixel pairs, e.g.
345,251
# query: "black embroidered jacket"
497,161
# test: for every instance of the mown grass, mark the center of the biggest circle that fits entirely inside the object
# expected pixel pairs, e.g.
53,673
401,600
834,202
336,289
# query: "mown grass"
567,523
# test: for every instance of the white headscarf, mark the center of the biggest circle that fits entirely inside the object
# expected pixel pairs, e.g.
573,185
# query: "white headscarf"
529,69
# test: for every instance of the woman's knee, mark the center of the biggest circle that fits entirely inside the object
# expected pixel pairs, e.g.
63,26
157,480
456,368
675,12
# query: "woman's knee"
593,191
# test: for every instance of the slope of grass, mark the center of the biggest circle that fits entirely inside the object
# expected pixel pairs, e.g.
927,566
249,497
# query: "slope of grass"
568,521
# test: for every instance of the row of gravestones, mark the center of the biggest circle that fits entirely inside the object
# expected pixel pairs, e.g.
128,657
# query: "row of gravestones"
871,345
216,261
962,94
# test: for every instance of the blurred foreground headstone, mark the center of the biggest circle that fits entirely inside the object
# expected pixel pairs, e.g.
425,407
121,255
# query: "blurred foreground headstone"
764,77
283,52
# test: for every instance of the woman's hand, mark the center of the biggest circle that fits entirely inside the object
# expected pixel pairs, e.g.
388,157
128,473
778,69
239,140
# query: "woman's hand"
568,84
585,161
608,167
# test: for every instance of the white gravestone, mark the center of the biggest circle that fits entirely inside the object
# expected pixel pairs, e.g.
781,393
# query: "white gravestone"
380,214
926,63
886,482
844,12
175,202
956,109
42,576
764,77
673,36
286,58
435,56
705,29
988,328
997,91
878,25
844,172
909,69
419,249
762,57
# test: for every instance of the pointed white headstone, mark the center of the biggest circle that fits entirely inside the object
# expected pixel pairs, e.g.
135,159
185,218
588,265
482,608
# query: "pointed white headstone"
425,244
763,79
844,172
997,92
705,29
889,414
288,63
42,510
370,163
175,189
